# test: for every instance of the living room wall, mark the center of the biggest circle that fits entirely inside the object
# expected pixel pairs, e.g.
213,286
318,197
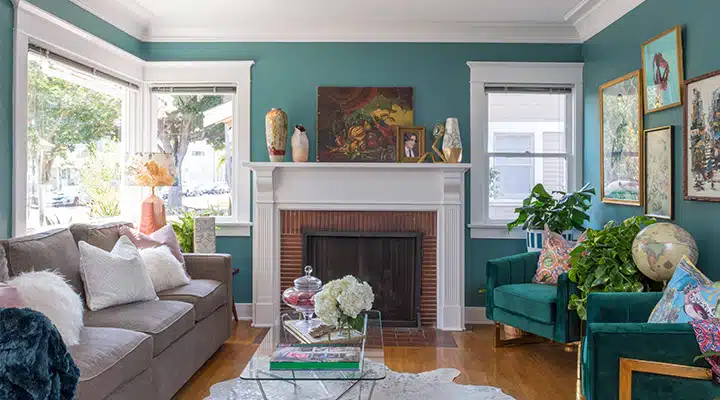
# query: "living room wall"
286,75
617,51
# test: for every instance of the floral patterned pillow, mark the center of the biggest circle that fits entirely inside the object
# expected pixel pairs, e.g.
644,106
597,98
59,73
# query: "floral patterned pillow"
688,296
554,258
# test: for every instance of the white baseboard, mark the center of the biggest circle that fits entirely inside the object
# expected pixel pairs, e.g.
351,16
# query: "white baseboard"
244,311
476,316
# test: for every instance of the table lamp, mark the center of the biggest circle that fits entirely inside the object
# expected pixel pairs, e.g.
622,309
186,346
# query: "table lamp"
151,170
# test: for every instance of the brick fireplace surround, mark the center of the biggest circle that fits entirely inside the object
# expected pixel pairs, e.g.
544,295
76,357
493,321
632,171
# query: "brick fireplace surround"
292,222
360,197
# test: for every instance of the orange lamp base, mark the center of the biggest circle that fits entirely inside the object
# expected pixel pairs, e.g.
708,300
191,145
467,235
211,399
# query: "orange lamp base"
152,215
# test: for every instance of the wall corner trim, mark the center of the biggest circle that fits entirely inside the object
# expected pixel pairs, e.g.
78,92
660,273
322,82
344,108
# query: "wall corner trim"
592,16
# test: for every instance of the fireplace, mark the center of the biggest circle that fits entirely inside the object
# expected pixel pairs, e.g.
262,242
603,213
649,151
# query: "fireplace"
389,261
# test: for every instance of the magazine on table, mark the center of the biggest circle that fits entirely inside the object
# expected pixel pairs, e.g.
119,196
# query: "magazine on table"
337,357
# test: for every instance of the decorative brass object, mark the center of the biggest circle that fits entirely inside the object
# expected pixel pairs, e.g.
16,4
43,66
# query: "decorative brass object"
438,132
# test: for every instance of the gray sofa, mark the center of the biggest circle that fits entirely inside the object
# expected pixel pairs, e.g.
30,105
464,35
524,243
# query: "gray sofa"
145,350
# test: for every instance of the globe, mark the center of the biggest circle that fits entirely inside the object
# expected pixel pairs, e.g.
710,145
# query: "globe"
658,249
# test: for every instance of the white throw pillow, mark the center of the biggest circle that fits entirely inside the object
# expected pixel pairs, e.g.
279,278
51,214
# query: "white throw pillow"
166,272
115,277
47,292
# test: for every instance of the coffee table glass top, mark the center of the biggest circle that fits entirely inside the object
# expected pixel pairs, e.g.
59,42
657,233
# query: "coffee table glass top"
258,367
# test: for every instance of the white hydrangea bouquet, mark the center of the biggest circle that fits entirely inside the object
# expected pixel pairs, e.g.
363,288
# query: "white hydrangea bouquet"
341,302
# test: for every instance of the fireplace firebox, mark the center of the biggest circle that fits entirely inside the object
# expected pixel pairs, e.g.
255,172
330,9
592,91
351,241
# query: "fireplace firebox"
389,261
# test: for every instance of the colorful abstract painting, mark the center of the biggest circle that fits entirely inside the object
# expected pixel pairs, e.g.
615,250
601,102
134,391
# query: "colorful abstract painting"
360,124
658,172
620,127
702,138
663,67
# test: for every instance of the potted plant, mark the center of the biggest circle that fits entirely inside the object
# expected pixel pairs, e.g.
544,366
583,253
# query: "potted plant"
604,263
561,212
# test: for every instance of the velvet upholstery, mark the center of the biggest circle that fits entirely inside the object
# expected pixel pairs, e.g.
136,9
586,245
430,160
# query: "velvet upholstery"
617,327
539,309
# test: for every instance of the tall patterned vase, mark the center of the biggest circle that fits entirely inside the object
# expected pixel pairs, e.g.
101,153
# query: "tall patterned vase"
276,133
452,146
204,235
300,144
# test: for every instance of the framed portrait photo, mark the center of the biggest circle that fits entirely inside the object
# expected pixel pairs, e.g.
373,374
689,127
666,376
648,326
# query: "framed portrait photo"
659,172
621,150
701,147
663,70
410,143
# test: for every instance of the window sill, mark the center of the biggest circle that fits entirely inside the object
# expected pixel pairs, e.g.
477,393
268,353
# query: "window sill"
493,231
233,229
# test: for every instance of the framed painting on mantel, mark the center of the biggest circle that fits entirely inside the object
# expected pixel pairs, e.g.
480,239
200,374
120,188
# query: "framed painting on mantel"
663,70
621,148
360,124
701,138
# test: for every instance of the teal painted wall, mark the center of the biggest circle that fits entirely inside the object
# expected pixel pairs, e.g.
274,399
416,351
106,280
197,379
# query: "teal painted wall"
7,17
616,51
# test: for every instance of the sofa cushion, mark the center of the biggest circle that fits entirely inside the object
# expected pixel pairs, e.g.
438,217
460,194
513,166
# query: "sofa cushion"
166,321
109,357
54,249
206,295
103,236
529,299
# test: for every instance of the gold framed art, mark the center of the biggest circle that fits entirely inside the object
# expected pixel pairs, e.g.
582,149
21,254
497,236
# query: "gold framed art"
621,149
662,60
658,154
410,144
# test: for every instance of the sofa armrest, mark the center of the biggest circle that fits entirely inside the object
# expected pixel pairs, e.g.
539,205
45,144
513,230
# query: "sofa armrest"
209,266
518,268
606,343
621,307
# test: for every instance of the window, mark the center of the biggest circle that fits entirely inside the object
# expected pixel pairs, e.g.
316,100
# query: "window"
524,128
74,142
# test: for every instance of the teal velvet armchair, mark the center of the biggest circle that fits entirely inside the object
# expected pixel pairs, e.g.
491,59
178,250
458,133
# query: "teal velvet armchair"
512,299
617,328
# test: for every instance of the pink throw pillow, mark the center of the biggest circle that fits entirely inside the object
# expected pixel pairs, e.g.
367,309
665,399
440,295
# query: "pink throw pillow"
10,297
164,236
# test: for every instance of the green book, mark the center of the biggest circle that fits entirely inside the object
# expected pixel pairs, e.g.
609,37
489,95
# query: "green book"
298,357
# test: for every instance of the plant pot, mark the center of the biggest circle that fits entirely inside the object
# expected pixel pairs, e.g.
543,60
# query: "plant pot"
534,238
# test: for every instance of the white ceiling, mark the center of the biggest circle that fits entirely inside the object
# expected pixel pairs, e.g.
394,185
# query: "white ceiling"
551,21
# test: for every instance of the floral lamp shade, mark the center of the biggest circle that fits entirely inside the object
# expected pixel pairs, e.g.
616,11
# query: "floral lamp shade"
150,169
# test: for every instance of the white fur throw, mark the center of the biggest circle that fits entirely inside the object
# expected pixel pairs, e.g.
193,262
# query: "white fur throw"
115,277
47,292
166,272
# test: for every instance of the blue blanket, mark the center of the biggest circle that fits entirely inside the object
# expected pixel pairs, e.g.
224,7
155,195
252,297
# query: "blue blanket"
34,362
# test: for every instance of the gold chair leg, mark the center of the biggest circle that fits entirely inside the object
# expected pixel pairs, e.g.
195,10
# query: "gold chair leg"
500,342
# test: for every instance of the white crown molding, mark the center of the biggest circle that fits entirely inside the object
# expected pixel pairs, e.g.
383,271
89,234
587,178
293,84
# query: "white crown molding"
127,16
592,16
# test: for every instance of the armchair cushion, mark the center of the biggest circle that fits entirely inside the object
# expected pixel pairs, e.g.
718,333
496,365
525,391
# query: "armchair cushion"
532,300
519,268
621,307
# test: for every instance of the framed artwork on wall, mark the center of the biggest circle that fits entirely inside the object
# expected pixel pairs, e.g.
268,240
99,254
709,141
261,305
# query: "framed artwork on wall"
701,138
621,149
663,70
359,124
411,144
659,172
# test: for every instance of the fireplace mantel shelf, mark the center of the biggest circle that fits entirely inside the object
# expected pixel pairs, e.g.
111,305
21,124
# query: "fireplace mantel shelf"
352,165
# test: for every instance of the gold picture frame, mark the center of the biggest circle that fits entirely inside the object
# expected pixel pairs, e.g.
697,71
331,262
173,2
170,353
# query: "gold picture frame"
659,187
661,51
405,136
622,175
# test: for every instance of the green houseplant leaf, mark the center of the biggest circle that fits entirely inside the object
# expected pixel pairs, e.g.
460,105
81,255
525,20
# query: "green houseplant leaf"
558,210
603,262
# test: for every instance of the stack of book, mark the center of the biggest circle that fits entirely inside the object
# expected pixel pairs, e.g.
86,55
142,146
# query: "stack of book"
298,357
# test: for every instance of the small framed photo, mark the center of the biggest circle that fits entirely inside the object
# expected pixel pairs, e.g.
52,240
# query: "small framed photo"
410,143
659,172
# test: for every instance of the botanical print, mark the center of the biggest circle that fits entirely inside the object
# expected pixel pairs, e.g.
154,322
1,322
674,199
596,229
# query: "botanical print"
658,169
621,125
702,138
361,123
662,63
151,169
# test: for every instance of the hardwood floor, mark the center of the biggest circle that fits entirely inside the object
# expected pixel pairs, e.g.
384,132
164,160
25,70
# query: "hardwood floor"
528,372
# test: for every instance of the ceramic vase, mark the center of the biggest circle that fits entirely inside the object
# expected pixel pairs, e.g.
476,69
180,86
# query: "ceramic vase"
276,132
534,238
300,144
204,235
452,146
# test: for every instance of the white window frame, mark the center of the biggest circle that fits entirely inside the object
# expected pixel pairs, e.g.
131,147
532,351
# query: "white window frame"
483,74
35,25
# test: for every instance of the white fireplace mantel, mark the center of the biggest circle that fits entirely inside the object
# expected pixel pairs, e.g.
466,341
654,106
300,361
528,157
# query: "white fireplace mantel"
360,187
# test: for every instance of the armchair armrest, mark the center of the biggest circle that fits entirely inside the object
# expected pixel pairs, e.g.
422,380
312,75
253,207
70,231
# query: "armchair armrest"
621,307
567,319
518,268
606,343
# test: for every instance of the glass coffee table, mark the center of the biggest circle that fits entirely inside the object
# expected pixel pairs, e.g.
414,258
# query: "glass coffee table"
372,367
